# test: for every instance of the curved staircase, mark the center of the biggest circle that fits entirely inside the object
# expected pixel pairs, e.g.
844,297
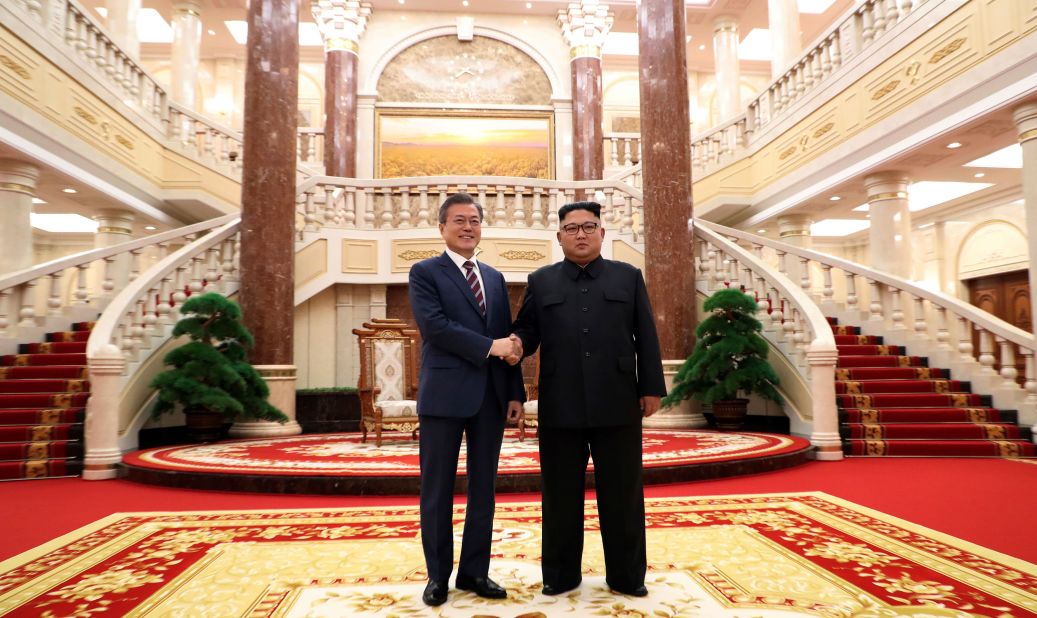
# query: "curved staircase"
43,394
894,404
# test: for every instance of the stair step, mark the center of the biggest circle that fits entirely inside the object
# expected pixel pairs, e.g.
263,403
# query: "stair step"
70,372
58,449
881,361
38,469
61,400
925,415
846,330
858,340
905,400
891,373
940,448
938,431
44,386
41,433
46,416
83,326
870,350
68,335
59,347
865,387
33,360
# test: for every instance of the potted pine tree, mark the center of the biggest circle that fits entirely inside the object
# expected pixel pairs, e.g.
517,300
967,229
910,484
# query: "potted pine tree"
210,375
729,359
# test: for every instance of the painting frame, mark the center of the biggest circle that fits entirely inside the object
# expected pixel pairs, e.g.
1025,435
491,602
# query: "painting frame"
392,124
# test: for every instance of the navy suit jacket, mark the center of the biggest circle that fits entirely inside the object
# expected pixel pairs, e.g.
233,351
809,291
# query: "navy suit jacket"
456,337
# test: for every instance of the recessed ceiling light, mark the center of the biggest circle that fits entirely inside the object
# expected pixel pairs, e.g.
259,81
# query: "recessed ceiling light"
834,198
1010,157
978,175
529,5
402,1
66,223
702,47
68,190
525,21
403,18
761,231
150,227
464,2
954,145
37,200
211,32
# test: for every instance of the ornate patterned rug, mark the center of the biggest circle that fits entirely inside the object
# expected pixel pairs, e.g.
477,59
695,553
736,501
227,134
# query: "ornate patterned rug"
345,455
767,556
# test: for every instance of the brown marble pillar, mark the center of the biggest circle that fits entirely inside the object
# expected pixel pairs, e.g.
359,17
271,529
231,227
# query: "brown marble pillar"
340,109
267,293
666,160
588,141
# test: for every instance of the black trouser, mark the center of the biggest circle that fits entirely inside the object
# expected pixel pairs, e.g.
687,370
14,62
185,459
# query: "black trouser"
621,503
440,445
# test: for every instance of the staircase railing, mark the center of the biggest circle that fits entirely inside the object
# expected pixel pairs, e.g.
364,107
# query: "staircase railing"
906,311
29,296
136,323
792,320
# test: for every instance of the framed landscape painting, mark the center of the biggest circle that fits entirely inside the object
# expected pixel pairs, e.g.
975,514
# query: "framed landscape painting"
465,144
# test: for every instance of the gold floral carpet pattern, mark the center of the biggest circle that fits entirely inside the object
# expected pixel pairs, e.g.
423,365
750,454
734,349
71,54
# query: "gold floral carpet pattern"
343,454
752,556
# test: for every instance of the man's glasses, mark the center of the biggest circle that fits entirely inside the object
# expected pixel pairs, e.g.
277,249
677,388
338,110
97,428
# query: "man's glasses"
588,228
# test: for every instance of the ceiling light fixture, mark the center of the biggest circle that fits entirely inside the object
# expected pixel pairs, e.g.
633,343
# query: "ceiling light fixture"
211,32
834,198
978,175
761,231
702,47
63,223
1009,157
529,5
37,200
150,228
464,2
68,190
954,145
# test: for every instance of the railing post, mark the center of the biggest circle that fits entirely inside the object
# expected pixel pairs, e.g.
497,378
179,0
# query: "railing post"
1008,371
986,351
404,208
825,433
27,314
101,429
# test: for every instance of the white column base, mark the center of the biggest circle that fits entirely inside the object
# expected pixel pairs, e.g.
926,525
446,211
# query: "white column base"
685,415
281,380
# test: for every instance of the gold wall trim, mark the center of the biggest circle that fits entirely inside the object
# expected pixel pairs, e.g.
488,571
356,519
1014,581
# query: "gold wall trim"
1026,136
883,91
513,254
585,51
412,255
15,187
340,44
18,69
107,229
124,142
946,50
792,233
85,115
280,372
889,195
824,129
788,152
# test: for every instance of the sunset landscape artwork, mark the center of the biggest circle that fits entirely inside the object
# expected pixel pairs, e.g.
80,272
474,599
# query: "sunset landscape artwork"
464,146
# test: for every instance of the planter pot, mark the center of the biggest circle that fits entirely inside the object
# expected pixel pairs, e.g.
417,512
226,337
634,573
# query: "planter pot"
730,413
203,425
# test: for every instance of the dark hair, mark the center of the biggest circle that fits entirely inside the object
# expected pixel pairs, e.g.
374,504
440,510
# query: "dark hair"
592,207
458,198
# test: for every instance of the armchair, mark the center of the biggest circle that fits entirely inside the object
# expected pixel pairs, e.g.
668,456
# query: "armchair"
388,378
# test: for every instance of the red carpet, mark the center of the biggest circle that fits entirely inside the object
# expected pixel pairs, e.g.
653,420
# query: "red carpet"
891,404
43,393
344,455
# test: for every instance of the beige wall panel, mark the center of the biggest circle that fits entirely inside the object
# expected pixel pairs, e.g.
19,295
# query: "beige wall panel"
623,252
993,247
407,252
311,262
1028,10
300,343
850,113
1000,21
20,72
359,256
182,173
515,255
320,348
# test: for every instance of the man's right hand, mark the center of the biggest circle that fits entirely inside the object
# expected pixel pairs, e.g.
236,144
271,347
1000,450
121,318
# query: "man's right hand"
502,347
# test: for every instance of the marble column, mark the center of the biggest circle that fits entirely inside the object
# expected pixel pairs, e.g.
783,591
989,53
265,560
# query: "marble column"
341,24
729,76
666,161
113,227
889,238
795,230
122,25
1025,117
267,292
17,188
584,27
187,51
786,45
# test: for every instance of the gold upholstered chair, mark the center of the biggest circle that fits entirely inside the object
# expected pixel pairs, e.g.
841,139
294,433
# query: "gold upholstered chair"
530,409
388,378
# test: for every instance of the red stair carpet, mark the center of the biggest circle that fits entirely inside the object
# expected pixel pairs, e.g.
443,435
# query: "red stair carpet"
43,393
893,404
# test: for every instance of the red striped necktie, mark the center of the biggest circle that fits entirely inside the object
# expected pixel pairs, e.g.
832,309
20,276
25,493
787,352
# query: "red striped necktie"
473,282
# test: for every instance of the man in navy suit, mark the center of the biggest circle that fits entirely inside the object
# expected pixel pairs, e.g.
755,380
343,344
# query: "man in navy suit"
465,387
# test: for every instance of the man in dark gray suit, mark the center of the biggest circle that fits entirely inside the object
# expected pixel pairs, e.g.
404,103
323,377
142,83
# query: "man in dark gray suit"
465,388
600,374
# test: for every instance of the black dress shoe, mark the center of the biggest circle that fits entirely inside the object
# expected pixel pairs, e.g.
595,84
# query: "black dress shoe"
553,589
482,586
639,591
435,593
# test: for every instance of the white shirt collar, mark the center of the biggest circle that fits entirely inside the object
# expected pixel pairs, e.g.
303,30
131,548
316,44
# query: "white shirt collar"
459,260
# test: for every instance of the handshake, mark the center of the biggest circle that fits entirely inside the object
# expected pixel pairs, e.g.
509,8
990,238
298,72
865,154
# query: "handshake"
508,349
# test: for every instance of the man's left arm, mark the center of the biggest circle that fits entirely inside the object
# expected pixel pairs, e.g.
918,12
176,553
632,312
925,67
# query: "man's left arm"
650,383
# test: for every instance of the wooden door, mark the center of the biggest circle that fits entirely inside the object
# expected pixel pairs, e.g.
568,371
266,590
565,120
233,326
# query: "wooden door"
1006,296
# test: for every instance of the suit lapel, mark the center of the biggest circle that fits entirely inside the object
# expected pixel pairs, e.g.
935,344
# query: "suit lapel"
453,273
